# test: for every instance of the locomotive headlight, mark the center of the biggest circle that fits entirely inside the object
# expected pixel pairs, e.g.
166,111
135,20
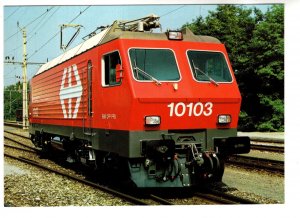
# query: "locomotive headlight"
175,35
224,119
152,120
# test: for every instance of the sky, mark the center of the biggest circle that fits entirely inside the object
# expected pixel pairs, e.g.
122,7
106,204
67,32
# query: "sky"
42,27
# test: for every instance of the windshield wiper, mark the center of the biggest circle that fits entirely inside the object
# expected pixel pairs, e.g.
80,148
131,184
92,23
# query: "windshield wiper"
199,70
139,70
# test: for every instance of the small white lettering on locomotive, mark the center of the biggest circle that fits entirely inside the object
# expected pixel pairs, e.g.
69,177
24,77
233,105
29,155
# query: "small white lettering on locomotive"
109,116
35,112
70,91
181,109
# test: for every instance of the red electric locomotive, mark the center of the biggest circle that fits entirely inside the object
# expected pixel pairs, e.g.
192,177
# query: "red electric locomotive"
158,109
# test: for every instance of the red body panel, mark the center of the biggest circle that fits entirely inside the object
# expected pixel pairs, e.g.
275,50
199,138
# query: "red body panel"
123,107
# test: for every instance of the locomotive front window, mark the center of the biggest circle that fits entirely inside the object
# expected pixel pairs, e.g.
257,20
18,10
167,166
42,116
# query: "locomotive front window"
209,66
154,65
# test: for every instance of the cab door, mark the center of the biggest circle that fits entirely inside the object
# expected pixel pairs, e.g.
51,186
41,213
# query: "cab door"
88,121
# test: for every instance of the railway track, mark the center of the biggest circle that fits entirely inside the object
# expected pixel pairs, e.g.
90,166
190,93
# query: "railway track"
218,197
239,160
256,144
265,146
211,196
257,163
131,198
13,124
20,149
127,197
16,134
250,162
22,144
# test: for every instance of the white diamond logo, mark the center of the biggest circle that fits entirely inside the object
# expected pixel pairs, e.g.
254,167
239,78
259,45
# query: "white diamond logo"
70,91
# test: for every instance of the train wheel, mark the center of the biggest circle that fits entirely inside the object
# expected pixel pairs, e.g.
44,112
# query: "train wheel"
218,174
46,149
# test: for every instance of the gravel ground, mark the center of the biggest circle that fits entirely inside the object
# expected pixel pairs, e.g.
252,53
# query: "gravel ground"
38,191
13,170
25,185
265,154
41,188
269,186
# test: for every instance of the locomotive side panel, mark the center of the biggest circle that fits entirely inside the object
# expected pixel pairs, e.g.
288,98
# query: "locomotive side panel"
73,105
44,101
59,96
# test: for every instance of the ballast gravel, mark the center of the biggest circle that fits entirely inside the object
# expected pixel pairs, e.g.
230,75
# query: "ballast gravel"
26,185
41,188
264,187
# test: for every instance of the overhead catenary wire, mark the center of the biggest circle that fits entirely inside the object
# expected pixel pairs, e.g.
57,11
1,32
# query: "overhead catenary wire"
176,9
42,25
5,19
31,22
56,34
9,74
49,40
36,51
43,21
34,34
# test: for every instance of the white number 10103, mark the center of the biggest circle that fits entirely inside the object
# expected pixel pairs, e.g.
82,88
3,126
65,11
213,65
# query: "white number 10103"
191,109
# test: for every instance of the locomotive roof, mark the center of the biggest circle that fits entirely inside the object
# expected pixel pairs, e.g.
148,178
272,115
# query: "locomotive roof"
115,32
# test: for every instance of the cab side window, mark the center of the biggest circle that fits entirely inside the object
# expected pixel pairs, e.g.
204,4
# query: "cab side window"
110,62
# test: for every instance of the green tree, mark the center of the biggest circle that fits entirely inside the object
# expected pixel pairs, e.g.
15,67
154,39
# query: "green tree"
267,46
12,101
254,42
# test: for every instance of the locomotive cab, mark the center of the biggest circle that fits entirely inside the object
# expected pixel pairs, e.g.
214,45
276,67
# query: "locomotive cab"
181,112
161,108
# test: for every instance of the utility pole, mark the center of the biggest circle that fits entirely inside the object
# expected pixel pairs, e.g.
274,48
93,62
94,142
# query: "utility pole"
24,64
25,99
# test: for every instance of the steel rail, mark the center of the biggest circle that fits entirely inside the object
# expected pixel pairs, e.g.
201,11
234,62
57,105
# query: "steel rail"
260,147
160,200
231,197
34,150
223,198
151,196
20,149
270,148
254,143
257,163
254,146
86,182
13,124
20,143
16,134
213,198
